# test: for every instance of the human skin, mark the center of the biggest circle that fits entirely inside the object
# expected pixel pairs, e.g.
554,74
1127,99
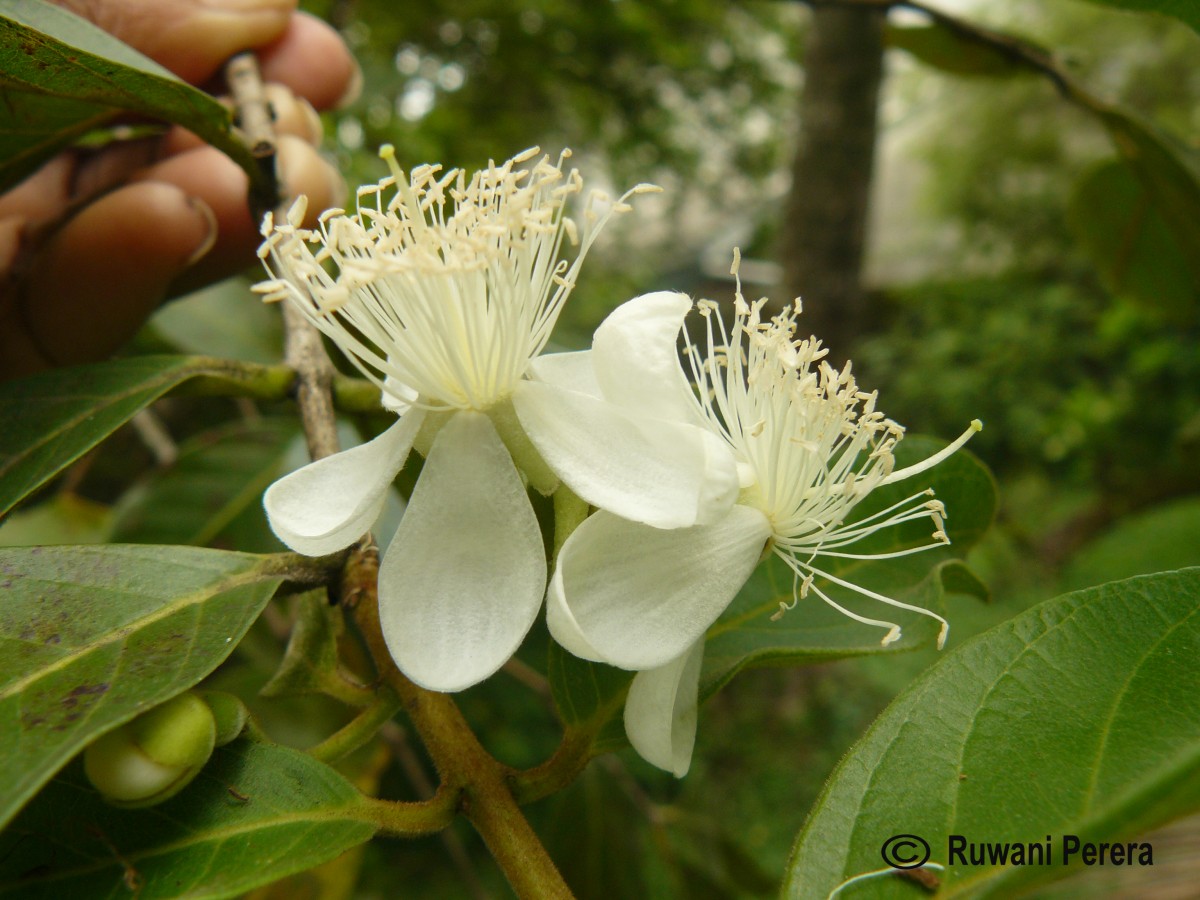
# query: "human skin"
93,242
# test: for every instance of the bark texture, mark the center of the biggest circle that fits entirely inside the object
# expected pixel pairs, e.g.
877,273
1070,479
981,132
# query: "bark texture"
823,237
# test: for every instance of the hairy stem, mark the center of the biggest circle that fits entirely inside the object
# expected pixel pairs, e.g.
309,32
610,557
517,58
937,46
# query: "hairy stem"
358,730
417,819
556,773
466,767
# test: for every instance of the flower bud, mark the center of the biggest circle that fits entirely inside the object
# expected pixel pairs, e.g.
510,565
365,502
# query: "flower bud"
229,712
156,755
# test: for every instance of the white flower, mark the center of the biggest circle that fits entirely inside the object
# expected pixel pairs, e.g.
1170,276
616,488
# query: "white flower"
443,296
809,447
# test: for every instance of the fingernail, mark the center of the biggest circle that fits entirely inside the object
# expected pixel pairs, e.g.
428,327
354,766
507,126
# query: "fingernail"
204,212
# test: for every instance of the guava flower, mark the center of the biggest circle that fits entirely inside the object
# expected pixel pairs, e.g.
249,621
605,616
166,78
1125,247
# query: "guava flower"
809,445
443,296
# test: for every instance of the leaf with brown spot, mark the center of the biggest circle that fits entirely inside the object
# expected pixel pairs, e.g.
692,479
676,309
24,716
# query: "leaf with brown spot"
91,636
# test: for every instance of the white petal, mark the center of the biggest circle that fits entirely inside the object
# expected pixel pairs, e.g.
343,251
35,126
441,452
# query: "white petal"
397,396
660,712
463,579
666,474
572,371
637,597
331,502
635,353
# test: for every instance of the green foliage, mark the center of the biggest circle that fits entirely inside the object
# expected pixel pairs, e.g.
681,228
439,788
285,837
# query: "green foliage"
1169,172
255,814
1005,152
1058,382
1159,539
1185,10
1055,722
58,415
311,657
1083,697
211,495
63,78
664,92
938,46
1136,253
95,635
589,698
224,320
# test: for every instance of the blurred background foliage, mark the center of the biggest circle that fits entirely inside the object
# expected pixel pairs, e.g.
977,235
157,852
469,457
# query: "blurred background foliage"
983,302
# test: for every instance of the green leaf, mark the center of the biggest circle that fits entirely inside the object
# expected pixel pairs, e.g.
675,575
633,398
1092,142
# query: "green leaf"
256,813
946,49
1169,172
1078,717
65,518
589,697
219,476
223,320
1185,10
1120,225
311,658
91,636
54,417
62,77
815,632
1155,540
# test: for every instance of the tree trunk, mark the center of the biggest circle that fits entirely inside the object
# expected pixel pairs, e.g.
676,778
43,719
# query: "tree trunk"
824,233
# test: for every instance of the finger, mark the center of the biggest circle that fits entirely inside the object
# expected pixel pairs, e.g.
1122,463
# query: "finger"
106,270
41,198
192,38
215,179
312,59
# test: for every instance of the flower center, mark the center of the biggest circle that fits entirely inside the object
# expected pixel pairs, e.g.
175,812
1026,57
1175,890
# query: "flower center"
813,441
446,290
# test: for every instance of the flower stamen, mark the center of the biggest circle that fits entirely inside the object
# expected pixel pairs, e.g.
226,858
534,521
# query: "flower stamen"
448,288
814,441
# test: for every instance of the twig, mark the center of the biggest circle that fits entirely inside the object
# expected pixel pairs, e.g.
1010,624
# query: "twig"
303,349
1019,51
255,118
397,740
306,354
156,437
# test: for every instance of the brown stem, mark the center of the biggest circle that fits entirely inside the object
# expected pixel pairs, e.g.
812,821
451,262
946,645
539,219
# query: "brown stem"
305,353
303,349
465,766
570,759
397,740
256,120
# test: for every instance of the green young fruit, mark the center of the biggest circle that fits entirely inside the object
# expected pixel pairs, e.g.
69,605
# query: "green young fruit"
229,712
155,756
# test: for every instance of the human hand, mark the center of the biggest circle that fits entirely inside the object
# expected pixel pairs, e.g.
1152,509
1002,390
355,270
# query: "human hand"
92,242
